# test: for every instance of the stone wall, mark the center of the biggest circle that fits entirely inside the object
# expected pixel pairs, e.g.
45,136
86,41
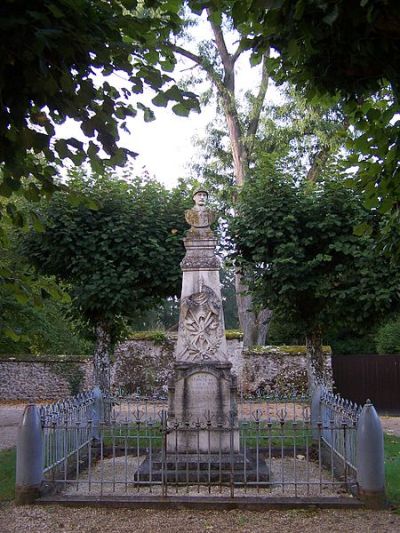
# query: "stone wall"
39,379
264,370
145,366
277,369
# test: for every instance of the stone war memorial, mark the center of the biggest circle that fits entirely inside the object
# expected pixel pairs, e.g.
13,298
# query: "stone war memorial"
203,446
203,386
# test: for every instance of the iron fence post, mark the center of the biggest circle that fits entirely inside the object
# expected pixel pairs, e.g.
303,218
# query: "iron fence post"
370,457
97,412
29,469
316,414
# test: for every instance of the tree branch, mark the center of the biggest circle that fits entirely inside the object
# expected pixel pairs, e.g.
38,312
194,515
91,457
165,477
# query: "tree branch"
235,56
319,160
226,58
202,64
220,42
258,103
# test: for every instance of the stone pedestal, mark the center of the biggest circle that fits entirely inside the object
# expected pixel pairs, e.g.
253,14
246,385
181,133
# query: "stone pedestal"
202,398
202,409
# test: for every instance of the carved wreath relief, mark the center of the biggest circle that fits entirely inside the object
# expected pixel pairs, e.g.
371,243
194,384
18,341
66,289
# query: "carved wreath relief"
201,325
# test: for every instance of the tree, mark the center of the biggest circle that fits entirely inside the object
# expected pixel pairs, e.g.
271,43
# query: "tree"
25,308
349,50
297,242
293,137
48,328
336,45
56,58
56,61
120,258
219,64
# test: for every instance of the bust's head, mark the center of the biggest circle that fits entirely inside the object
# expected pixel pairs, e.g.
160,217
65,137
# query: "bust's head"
200,197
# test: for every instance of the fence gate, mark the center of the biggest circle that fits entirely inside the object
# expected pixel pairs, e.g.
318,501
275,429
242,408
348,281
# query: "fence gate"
122,449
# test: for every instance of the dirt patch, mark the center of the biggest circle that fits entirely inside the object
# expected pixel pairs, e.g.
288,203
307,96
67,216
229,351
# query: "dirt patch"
10,415
391,425
37,519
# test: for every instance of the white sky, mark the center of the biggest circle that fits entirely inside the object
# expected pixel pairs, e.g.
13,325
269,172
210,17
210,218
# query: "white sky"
166,146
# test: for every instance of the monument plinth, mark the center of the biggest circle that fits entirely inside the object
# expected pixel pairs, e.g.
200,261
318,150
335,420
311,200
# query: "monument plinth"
203,389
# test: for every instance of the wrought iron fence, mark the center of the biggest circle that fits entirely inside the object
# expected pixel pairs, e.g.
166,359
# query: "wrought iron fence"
128,444
67,428
336,411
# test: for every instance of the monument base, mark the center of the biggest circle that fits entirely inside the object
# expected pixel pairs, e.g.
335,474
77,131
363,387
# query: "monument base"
203,469
202,411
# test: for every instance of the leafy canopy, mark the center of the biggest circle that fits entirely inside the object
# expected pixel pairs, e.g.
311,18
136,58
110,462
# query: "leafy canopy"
350,46
297,241
120,258
56,57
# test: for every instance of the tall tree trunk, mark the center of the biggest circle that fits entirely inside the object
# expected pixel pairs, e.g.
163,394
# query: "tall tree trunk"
315,360
253,323
263,320
101,358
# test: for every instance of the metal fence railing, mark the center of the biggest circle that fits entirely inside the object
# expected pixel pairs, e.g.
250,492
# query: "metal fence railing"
338,412
127,444
67,428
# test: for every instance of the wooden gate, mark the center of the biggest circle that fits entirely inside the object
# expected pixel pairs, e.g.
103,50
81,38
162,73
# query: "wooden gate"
374,377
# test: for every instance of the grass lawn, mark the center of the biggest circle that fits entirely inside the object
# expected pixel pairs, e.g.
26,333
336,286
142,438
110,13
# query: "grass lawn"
7,474
392,470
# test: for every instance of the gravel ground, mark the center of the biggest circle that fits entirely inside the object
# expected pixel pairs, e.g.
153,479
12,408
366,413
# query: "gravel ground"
116,469
10,415
59,519
36,519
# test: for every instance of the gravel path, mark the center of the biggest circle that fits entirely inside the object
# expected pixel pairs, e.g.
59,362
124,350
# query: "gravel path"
59,519
10,415
35,519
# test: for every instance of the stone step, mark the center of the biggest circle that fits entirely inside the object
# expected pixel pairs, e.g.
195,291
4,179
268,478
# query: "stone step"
203,476
201,461
203,468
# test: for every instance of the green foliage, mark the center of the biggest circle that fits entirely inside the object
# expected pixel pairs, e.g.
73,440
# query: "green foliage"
352,344
375,152
330,46
295,137
228,293
121,257
284,332
154,336
34,311
392,469
7,474
50,54
348,53
47,328
163,316
298,136
388,337
297,242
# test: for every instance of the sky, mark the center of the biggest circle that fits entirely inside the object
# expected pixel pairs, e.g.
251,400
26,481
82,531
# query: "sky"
166,146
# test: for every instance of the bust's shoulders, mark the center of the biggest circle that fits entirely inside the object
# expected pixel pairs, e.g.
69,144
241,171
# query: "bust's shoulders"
196,216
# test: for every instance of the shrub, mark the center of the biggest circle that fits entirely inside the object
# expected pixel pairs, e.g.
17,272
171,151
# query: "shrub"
388,337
